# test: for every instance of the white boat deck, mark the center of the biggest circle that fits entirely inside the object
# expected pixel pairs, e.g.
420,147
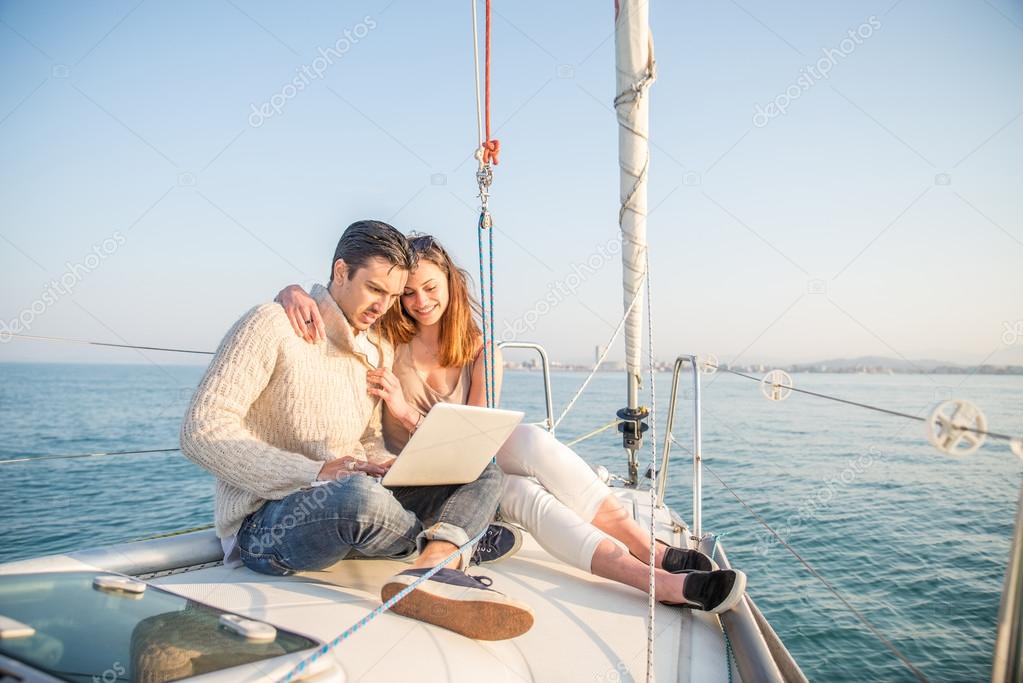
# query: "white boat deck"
586,629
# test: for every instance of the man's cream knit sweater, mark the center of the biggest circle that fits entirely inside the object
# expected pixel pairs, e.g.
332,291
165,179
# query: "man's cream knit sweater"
272,408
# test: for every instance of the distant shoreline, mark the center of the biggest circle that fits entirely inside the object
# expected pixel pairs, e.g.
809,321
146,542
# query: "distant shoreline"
661,367
758,370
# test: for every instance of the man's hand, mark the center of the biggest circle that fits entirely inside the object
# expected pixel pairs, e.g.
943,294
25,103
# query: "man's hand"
303,313
340,468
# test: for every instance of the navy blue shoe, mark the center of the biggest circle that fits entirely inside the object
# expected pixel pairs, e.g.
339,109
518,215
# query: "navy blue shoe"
715,592
460,603
679,561
500,542
682,560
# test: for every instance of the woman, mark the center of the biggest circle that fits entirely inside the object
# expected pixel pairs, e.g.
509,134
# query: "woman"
550,491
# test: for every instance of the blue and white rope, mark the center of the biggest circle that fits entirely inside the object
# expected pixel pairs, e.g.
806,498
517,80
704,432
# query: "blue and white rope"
484,308
493,338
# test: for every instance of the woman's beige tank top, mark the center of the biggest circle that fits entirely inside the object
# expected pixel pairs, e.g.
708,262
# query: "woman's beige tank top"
418,394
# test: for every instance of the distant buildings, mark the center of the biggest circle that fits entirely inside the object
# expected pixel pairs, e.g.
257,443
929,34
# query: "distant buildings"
759,368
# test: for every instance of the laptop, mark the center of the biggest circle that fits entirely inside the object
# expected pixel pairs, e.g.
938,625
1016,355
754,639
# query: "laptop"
453,445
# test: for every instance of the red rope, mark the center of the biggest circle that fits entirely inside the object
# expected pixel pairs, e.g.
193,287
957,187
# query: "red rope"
491,148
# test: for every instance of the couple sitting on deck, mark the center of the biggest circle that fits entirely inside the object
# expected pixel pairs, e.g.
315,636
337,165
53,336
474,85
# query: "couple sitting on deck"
304,403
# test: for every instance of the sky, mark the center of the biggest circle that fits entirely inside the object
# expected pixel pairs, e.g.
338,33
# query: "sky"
812,195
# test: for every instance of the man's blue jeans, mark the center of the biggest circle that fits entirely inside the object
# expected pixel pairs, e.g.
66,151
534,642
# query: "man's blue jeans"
358,517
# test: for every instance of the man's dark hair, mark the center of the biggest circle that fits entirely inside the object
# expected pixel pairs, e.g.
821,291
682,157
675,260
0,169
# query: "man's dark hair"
363,240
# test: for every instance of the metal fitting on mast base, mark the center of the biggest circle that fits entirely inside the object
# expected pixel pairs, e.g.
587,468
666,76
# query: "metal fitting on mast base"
632,426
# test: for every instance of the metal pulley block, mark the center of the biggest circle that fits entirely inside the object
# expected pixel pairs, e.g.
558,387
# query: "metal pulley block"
956,427
708,363
776,385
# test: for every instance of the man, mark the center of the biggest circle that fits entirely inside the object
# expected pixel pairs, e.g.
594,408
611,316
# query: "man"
293,438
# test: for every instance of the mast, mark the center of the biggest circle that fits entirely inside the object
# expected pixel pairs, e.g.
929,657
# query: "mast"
634,65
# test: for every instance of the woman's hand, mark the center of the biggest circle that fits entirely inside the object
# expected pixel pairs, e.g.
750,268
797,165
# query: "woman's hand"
340,468
382,383
303,313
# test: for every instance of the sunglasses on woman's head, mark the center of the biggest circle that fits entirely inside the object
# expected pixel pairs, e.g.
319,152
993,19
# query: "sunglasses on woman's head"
423,243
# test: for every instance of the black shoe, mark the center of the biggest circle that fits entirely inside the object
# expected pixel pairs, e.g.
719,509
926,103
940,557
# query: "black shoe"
715,592
679,561
500,542
459,602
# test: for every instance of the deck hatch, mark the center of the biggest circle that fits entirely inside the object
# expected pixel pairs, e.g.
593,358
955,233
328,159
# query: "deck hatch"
84,634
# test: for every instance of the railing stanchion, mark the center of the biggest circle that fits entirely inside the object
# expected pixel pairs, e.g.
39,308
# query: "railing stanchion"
662,477
662,472
697,451
546,366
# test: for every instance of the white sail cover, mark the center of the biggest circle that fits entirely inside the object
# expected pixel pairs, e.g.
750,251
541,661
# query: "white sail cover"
634,59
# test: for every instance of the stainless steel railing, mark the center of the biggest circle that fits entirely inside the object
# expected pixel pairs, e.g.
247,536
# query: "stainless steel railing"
548,424
662,476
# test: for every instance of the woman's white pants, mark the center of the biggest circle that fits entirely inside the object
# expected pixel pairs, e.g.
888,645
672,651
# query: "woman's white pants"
552,493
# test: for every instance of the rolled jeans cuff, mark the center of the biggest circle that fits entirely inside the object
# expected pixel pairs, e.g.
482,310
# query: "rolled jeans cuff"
442,531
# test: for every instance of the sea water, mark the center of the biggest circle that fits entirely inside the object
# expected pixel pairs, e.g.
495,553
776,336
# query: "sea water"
915,539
